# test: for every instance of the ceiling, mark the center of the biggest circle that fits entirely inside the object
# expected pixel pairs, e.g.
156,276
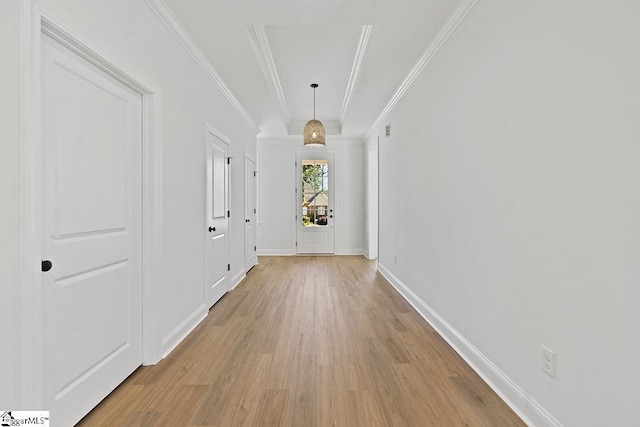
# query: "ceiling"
268,52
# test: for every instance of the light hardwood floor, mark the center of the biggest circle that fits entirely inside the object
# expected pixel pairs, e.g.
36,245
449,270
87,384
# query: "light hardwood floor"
308,341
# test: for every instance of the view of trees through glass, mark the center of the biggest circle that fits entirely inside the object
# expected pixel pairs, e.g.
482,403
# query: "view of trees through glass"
315,192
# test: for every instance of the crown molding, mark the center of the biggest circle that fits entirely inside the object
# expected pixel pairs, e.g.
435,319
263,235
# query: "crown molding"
331,127
455,19
288,140
260,43
170,21
361,51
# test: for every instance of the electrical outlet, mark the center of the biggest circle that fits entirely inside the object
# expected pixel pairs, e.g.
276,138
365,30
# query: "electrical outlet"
548,361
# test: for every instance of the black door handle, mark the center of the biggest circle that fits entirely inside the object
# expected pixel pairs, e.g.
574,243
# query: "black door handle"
247,220
212,229
46,265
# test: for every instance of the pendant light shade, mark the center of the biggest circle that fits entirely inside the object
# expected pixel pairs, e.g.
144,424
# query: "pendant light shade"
314,134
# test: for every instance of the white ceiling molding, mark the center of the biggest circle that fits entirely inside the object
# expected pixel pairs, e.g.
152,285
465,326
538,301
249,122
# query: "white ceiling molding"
331,127
260,43
162,11
365,36
461,11
295,141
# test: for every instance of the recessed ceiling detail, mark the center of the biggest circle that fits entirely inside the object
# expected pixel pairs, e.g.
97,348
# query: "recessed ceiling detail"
355,70
260,43
363,54
310,50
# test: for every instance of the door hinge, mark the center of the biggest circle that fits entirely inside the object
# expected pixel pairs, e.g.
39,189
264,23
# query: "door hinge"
254,211
255,173
228,214
229,160
255,248
228,267
296,243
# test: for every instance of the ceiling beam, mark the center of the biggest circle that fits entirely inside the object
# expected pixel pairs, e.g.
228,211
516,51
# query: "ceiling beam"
361,50
260,43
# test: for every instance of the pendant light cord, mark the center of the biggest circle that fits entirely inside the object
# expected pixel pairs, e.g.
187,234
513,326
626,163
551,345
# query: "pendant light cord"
314,86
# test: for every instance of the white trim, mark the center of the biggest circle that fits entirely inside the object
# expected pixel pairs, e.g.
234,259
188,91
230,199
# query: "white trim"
248,156
288,140
166,16
256,192
30,282
455,19
175,337
260,43
36,18
361,51
351,252
211,129
238,278
152,230
372,184
531,412
276,252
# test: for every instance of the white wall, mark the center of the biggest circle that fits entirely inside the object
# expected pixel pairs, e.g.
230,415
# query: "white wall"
9,206
277,202
189,99
509,192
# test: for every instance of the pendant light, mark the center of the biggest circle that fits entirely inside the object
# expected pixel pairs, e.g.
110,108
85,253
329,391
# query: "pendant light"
314,129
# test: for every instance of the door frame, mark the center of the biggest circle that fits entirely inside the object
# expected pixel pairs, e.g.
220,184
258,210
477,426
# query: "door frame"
248,156
296,204
211,130
38,18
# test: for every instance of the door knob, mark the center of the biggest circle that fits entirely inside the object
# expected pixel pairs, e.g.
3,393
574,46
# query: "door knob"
46,265
212,229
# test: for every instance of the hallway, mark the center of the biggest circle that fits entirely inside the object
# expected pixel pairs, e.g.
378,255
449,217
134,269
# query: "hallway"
308,341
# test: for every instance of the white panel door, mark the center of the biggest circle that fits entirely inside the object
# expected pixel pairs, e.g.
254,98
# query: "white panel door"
92,295
314,200
249,213
216,252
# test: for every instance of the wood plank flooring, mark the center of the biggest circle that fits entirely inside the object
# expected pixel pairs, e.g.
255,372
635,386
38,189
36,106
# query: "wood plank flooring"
308,341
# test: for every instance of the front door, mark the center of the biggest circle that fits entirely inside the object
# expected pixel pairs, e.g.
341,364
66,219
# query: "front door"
314,217
217,281
92,291
250,258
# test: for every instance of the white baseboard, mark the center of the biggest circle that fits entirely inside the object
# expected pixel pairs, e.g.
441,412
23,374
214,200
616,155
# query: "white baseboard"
171,341
275,252
350,252
280,252
526,407
235,281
